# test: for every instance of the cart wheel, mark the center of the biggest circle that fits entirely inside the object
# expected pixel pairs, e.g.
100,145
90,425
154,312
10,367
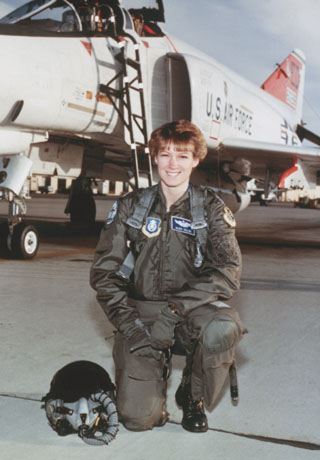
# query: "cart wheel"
24,241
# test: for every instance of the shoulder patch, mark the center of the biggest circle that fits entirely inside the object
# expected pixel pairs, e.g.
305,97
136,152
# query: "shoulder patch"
228,217
112,214
152,227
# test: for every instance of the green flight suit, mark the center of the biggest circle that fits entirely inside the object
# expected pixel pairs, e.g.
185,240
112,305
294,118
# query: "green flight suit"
164,274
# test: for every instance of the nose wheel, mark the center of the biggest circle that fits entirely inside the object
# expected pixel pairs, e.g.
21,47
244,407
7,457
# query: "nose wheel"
22,243
17,238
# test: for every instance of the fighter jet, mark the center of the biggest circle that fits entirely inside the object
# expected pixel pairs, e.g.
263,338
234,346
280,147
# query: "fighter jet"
84,83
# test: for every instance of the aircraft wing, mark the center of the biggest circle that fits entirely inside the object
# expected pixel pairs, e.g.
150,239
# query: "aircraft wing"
274,155
291,164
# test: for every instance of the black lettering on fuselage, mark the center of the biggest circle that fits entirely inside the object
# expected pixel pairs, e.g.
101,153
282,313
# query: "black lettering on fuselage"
209,104
218,108
250,125
287,134
230,114
235,117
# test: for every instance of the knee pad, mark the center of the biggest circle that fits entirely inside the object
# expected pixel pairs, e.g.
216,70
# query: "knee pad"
140,425
221,334
146,423
143,414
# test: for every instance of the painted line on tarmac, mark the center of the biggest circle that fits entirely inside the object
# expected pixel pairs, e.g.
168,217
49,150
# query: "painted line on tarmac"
51,255
26,398
287,442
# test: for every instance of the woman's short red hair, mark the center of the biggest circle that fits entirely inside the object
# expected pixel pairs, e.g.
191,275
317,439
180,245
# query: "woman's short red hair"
183,134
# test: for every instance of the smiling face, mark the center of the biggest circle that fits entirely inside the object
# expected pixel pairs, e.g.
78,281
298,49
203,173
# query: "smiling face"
175,166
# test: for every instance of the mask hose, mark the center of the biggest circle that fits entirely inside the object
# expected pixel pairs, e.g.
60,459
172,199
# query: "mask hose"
113,423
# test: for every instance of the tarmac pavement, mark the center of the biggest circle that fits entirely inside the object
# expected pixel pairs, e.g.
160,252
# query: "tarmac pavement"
50,317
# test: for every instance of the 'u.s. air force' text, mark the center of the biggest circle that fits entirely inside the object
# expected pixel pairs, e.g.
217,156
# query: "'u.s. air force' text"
237,117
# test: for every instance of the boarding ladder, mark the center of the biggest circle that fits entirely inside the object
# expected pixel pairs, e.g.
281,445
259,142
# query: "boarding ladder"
132,110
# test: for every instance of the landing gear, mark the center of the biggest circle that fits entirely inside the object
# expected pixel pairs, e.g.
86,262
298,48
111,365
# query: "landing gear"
19,242
23,243
17,239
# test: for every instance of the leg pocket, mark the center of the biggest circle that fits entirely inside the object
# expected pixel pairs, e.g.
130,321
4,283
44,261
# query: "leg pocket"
136,367
215,370
141,392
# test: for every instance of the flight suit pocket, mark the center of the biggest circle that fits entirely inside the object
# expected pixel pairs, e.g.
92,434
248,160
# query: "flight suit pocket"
136,367
144,368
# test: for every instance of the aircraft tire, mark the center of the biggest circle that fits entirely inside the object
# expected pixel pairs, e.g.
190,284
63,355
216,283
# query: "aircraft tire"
24,241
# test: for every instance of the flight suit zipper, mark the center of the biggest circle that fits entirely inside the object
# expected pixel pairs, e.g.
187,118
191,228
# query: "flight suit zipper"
163,238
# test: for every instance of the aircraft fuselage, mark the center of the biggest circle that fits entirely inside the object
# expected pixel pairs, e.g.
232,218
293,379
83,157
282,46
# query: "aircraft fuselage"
57,81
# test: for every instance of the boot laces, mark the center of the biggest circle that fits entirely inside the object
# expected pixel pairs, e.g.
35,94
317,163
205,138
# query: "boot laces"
195,406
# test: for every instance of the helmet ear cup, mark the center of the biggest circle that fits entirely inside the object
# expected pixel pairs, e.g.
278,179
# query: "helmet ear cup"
64,428
56,415
81,400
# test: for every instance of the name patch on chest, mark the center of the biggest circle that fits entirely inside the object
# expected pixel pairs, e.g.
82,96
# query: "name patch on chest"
179,224
152,227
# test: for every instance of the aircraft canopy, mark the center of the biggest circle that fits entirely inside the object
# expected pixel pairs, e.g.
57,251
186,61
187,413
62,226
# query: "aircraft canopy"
151,10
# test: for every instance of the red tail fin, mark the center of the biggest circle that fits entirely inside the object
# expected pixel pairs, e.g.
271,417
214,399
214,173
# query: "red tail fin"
287,81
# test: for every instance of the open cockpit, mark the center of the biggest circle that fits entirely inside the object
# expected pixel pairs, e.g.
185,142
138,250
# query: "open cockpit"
80,17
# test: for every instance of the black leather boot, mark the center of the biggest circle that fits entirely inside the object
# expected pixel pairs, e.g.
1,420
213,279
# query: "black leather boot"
194,418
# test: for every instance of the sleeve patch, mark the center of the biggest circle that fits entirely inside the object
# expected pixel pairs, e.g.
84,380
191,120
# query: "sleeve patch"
228,217
226,251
